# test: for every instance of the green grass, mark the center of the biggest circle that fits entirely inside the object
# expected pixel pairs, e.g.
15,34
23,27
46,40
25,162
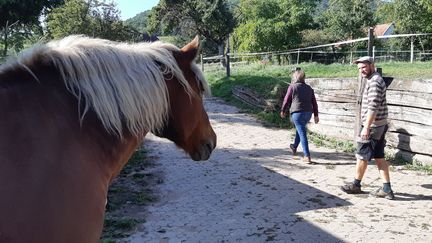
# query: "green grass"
328,142
128,193
336,70
410,165
118,228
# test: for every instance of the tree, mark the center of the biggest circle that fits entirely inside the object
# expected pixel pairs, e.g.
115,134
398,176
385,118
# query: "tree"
139,22
209,18
20,19
26,12
349,19
416,18
272,25
93,18
385,12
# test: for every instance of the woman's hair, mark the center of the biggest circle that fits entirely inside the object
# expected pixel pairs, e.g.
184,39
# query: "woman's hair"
298,76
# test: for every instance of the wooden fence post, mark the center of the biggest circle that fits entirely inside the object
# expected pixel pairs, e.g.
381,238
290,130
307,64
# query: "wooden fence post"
412,50
298,56
370,41
358,107
202,63
227,56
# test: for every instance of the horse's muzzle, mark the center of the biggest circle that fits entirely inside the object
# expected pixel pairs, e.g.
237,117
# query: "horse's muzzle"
204,150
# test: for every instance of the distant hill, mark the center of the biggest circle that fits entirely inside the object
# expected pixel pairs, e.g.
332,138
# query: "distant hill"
139,21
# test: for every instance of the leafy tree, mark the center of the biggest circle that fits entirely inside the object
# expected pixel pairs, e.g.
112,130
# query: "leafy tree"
93,18
209,18
26,12
315,37
19,20
273,24
139,22
385,12
416,18
349,19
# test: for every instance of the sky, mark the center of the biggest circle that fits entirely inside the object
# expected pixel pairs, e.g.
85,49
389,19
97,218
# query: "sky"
130,8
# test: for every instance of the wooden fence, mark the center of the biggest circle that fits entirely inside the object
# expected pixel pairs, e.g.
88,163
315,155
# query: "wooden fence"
410,114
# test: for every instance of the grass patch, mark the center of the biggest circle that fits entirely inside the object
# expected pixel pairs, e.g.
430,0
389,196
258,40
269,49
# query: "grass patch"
128,194
328,142
414,165
118,228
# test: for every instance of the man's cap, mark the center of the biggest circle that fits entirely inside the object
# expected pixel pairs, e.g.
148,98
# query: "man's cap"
366,59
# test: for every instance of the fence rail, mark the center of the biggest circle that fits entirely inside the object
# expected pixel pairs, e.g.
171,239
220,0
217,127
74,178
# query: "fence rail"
317,54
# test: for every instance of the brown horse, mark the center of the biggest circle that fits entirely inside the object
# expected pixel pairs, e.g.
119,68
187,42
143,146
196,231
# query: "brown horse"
72,113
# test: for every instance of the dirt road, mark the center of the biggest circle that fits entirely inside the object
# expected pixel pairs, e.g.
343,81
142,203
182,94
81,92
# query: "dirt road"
253,190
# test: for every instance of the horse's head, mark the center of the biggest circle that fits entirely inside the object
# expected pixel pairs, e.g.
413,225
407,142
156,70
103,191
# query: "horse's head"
188,125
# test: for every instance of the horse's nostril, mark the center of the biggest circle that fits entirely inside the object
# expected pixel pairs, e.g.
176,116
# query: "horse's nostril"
209,147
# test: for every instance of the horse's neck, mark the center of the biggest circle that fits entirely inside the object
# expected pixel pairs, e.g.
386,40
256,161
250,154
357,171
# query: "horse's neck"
45,110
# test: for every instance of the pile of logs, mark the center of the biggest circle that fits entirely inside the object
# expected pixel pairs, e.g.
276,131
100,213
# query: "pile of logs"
254,99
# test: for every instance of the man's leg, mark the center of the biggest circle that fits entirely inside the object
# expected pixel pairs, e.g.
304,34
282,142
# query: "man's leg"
383,168
355,186
361,167
385,191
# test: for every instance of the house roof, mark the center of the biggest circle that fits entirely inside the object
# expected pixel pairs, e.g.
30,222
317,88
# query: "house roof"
380,30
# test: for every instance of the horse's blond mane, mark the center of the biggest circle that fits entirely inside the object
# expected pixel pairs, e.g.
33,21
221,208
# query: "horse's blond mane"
123,83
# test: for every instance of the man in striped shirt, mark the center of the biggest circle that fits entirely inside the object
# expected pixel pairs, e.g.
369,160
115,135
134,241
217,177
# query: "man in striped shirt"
371,141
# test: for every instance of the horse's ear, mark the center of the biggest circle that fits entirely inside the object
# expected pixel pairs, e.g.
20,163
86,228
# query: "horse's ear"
190,50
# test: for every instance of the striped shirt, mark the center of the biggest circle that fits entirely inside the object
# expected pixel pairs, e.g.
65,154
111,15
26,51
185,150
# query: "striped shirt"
374,100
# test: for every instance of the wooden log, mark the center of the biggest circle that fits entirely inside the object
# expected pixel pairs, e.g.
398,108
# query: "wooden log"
248,96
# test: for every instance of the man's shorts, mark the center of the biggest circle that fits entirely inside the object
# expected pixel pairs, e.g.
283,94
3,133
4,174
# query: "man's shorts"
374,147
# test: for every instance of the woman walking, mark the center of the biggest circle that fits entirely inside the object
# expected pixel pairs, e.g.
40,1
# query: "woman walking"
300,102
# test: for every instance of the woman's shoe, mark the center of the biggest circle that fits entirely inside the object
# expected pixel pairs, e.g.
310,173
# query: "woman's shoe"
293,150
307,159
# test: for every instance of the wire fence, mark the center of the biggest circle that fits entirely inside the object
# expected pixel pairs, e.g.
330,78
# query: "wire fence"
318,54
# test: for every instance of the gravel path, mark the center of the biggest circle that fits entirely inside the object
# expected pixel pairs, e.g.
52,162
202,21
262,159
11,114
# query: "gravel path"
253,190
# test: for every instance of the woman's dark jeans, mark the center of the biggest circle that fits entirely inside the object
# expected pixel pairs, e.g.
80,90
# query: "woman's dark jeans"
300,119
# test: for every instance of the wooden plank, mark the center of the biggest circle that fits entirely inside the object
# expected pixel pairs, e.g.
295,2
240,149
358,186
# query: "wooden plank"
411,157
410,128
340,109
341,96
336,119
417,85
405,142
410,114
333,83
409,98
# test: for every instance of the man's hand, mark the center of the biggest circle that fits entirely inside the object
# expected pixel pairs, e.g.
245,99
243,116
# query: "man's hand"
365,133
316,119
282,114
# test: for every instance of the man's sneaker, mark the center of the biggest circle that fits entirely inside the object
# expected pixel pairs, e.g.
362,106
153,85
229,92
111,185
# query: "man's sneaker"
350,188
380,193
293,150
